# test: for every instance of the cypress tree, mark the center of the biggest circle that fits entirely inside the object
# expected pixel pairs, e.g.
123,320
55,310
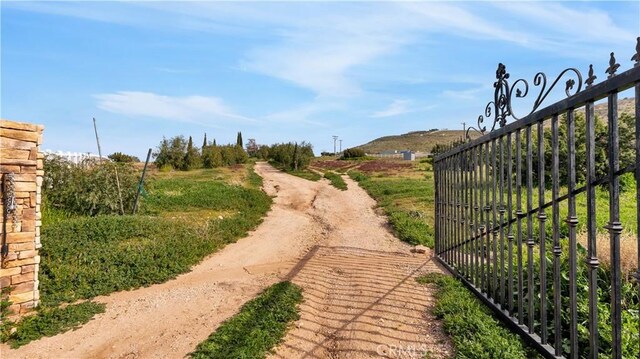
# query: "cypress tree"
204,143
239,139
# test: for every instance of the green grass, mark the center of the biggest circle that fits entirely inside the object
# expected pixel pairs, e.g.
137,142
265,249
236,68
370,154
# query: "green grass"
83,257
408,202
474,331
51,321
257,328
336,180
185,217
306,174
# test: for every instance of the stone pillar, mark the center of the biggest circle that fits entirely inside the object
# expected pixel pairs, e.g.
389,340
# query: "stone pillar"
21,158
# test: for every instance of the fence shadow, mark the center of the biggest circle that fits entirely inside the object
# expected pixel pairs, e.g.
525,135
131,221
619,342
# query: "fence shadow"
362,303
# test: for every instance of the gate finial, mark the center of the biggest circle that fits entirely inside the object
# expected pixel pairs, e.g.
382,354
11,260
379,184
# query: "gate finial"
591,77
613,66
636,56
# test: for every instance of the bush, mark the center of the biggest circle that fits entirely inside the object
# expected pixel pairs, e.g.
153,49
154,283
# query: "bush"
123,158
88,188
88,256
291,156
353,153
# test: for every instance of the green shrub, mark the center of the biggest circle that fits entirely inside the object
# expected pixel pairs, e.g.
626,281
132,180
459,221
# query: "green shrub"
89,188
257,328
291,156
353,153
123,158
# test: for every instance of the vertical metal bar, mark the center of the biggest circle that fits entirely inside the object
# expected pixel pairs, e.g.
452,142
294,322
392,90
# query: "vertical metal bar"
436,184
510,236
542,218
557,250
481,226
474,174
462,222
487,209
637,88
615,227
572,221
494,253
457,242
592,253
530,242
519,215
501,210
468,222
449,212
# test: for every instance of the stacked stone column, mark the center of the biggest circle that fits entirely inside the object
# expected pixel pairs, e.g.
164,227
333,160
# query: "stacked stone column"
20,231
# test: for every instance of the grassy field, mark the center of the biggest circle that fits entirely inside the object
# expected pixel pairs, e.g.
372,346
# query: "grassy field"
257,327
185,216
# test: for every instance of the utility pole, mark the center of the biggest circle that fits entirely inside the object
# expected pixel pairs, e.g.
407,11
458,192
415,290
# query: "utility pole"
95,128
334,144
464,127
340,145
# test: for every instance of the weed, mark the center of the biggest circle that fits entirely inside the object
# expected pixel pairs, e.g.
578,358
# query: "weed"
51,321
259,325
306,174
475,332
336,180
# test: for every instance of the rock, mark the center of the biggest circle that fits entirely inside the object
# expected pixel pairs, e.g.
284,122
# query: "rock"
419,249
220,217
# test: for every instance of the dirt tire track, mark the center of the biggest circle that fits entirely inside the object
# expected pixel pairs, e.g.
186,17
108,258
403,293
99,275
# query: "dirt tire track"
330,242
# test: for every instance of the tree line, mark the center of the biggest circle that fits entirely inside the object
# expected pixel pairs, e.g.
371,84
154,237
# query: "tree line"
179,153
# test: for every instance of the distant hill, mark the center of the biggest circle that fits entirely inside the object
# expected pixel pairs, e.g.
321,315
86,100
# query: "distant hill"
424,141
418,141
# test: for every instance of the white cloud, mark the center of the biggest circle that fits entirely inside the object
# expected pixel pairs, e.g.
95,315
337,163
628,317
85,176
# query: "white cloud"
196,109
468,94
397,107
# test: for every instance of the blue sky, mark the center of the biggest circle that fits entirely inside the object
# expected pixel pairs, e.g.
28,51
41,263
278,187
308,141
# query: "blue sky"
284,71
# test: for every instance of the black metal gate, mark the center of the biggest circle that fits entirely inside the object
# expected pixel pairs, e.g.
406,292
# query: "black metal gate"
545,276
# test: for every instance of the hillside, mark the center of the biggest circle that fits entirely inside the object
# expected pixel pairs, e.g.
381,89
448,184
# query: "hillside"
423,141
418,141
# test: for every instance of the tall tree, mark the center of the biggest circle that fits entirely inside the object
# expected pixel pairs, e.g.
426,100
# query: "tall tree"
204,143
214,142
239,139
191,158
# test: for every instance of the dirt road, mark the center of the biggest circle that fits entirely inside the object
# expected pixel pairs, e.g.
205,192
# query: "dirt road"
361,299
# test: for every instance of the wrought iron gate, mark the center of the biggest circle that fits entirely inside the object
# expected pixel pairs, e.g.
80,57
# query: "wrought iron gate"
493,229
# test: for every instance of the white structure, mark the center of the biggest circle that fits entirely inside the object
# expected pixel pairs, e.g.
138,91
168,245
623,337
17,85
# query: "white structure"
408,156
74,157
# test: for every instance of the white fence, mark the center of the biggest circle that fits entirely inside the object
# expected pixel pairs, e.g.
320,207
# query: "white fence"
75,157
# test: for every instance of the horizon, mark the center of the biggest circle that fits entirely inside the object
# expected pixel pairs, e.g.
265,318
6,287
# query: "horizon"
280,72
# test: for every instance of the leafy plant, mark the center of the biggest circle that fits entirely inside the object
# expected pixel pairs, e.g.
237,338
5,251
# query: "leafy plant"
123,158
475,332
89,188
353,153
52,321
259,325
336,180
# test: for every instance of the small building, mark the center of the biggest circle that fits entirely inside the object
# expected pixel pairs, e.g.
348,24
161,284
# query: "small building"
408,155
